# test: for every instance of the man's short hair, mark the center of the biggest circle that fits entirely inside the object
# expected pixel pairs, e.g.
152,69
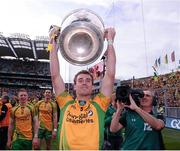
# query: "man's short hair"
83,72
150,90
22,90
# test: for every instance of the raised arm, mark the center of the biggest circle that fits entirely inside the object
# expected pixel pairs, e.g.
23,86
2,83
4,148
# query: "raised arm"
115,124
35,129
151,120
108,80
57,81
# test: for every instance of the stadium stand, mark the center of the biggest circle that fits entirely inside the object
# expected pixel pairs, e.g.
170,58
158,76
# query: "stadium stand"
28,66
21,46
167,87
24,64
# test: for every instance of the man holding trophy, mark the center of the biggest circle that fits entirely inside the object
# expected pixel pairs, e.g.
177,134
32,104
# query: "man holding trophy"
81,124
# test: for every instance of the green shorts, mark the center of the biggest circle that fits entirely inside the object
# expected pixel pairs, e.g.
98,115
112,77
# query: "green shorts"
22,144
44,133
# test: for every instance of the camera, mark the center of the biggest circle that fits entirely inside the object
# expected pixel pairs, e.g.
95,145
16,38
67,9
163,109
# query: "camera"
122,94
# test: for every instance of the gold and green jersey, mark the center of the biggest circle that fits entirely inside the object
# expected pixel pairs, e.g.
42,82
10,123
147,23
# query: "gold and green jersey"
81,122
23,117
45,111
33,102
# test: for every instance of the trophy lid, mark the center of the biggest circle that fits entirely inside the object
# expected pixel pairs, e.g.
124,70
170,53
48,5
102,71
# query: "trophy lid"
83,14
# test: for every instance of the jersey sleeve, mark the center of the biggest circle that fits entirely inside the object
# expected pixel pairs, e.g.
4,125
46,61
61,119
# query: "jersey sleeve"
34,111
102,101
63,98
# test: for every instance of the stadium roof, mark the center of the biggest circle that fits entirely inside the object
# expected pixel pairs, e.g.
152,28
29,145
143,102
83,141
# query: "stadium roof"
21,46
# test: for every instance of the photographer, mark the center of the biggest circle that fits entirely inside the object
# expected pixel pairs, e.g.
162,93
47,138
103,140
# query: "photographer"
142,128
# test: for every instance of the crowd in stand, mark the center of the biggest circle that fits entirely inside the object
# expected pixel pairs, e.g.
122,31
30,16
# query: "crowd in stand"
27,82
19,66
24,73
167,87
34,94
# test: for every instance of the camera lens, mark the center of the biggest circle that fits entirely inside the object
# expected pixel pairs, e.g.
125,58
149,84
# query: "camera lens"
122,94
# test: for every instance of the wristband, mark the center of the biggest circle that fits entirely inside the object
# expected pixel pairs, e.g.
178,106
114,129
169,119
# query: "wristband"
55,129
110,42
35,135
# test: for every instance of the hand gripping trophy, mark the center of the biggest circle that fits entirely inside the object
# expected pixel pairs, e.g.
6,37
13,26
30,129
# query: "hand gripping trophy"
80,37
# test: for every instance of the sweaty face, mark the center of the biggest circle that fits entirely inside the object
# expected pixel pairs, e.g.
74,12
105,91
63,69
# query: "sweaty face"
83,85
146,101
22,97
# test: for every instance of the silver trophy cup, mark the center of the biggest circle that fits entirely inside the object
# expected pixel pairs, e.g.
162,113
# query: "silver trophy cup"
81,37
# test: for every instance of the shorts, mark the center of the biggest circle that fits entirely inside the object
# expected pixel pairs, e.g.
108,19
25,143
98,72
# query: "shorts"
44,133
22,144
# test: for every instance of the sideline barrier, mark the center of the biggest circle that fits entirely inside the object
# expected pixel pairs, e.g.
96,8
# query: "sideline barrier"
173,123
172,116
